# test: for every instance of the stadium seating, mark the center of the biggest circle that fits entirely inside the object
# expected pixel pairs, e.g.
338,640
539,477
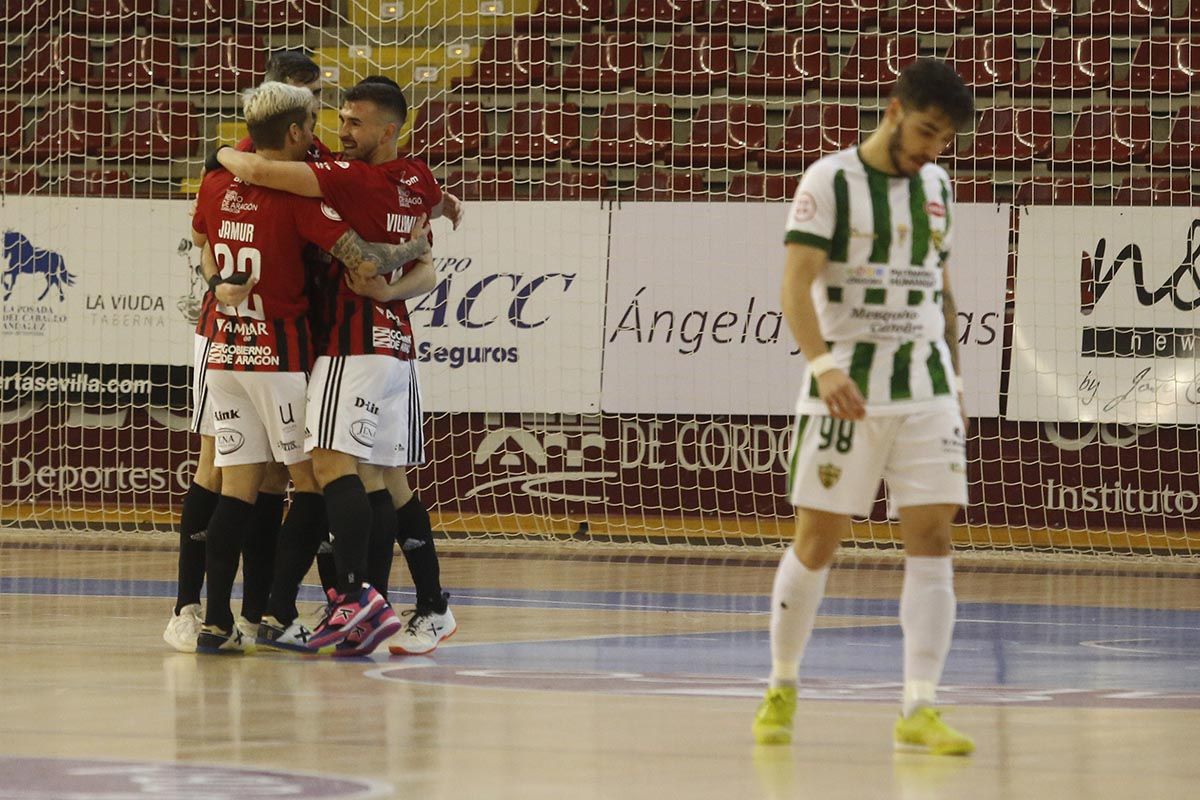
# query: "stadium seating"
657,15
1010,137
539,132
930,16
96,183
751,186
1146,190
198,16
481,184
724,136
985,63
974,189
787,64
111,16
1163,66
630,133
448,132
601,62
66,130
662,185
754,14
51,62
1045,190
224,64
1023,16
1120,17
834,15
136,63
11,126
571,185
25,15
566,16
1182,149
1067,66
508,62
276,15
1188,22
693,63
1112,137
810,131
156,130
21,182
873,64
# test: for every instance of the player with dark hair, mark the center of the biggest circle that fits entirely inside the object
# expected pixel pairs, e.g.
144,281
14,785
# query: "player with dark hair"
365,418
881,397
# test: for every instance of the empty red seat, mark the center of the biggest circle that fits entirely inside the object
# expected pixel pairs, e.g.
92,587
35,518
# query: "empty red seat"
930,16
96,183
748,13
1187,22
985,63
787,64
1183,147
448,132
1109,137
874,62
199,16
273,15
1163,65
601,62
693,63
156,130
508,62
810,131
630,133
111,16
652,15
52,62
1023,16
1010,137
1046,190
758,186
139,62
567,16
662,185
834,15
1153,190
26,15
724,136
571,185
11,125
224,64
974,189
27,181
539,132
67,130
1067,66
488,184
1121,17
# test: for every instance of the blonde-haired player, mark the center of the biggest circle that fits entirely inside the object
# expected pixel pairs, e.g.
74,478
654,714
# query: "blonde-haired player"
867,297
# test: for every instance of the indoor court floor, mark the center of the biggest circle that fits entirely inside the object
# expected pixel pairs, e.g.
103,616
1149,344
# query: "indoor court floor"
590,672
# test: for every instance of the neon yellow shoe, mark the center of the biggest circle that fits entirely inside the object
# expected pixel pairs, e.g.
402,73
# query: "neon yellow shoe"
924,732
773,720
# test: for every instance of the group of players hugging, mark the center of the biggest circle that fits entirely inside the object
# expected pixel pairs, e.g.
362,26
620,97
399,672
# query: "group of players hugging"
305,374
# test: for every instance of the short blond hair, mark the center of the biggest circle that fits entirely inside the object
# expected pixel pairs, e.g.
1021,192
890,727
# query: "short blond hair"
270,110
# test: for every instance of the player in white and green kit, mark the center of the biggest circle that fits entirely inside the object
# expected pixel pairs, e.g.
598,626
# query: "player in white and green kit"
867,296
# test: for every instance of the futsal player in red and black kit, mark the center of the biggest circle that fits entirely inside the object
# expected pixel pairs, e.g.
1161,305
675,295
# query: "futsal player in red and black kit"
261,351
365,417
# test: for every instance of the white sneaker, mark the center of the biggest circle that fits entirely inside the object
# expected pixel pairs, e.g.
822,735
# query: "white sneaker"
271,633
423,633
215,641
249,629
183,628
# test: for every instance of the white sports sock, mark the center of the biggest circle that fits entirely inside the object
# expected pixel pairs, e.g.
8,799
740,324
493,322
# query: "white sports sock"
794,600
927,612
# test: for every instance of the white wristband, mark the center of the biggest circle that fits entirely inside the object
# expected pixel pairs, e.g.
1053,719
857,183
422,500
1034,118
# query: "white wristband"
959,386
822,364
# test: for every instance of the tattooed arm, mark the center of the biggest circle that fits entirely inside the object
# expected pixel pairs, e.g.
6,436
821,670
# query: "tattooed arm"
368,259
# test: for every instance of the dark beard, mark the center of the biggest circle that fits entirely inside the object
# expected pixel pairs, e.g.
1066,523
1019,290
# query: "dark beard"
894,152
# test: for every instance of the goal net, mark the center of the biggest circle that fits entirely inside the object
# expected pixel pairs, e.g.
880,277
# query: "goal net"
604,357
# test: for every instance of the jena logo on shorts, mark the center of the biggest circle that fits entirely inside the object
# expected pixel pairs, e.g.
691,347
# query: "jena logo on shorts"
363,431
229,441
828,475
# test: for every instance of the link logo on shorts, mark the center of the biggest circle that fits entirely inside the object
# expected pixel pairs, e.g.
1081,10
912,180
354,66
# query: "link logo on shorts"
829,475
229,441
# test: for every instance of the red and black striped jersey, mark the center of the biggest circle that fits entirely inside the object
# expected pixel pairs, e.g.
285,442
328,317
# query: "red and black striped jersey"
263,232
381,202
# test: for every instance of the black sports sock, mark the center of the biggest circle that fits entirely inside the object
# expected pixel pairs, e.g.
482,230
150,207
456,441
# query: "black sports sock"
302,533
327,566
414,531
349,513
381,548
198,505
226,529
258,554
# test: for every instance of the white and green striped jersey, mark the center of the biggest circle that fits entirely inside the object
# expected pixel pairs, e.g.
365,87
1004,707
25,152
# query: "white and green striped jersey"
879,298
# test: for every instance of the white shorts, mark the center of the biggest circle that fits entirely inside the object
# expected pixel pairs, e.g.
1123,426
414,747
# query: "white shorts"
368,407
836,465
202,422
259,416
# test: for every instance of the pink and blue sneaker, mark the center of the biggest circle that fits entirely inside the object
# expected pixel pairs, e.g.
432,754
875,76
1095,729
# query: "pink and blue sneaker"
369,634
344,612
